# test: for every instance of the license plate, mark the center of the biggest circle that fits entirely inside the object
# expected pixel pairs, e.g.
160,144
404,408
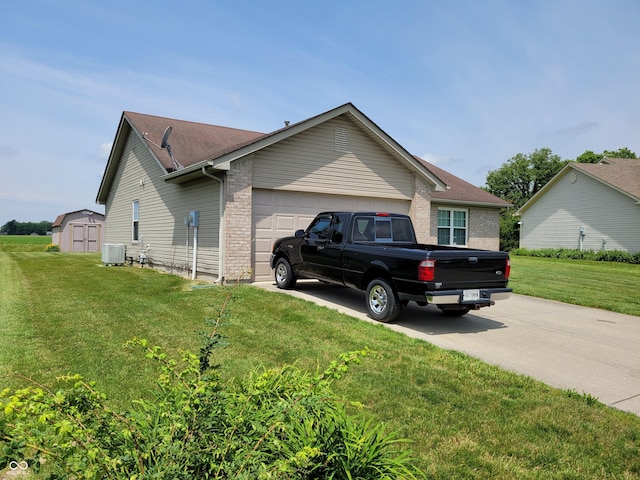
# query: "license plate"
470,295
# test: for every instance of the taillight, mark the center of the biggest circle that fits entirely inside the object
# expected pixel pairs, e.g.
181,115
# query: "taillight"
507,269
427,270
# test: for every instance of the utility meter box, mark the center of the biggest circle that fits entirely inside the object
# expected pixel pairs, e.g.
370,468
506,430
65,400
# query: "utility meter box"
195,217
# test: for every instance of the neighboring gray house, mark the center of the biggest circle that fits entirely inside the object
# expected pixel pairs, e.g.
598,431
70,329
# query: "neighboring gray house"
586,206
248,189
79,231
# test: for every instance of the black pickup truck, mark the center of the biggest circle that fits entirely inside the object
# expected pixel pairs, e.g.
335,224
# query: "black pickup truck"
378,253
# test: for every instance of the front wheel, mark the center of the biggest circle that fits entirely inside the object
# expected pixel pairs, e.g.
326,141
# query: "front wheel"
382,303
284,276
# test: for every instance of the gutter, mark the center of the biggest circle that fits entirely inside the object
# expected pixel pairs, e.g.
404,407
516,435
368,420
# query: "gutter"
221,241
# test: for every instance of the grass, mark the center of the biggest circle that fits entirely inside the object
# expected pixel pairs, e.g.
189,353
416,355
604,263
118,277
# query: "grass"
66,313
24,243
609,286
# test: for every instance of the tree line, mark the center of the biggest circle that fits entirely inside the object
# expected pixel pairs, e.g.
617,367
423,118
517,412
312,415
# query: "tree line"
14,227
523,175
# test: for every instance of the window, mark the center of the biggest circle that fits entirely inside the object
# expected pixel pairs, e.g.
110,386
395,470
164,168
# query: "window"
134,219
319,229
452,227
382,230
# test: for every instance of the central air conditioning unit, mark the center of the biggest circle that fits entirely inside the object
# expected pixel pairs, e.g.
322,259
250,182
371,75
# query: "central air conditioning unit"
113,253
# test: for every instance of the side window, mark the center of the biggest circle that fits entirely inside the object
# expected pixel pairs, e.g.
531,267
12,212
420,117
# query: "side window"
319,229
135,222
363,229
337,231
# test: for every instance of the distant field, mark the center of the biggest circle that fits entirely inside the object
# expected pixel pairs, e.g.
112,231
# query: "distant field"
24,243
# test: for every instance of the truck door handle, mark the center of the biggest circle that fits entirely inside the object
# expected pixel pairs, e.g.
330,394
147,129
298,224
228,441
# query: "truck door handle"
473,259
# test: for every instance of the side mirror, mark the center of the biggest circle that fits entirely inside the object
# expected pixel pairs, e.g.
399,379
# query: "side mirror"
299,234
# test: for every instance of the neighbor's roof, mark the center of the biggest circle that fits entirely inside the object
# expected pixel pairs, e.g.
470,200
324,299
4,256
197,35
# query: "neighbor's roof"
461,192
621,174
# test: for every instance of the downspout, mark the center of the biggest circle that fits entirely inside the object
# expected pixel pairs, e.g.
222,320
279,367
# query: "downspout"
221,239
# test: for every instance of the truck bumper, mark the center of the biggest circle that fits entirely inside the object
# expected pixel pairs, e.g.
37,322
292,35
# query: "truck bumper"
480,297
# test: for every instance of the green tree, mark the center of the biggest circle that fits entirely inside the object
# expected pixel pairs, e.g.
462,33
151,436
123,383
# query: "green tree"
517,181
522,176
590,157
10,228
26,228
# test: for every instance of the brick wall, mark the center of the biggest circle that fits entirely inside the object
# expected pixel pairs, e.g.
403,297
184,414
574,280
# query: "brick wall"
420,211
484,227
238,218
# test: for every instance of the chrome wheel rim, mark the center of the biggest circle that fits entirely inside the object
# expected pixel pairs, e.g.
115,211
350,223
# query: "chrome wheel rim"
281,273
378,299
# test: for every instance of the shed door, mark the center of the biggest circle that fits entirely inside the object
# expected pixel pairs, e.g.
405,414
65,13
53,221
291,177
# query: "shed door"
77,238
278,214
85,237
93,238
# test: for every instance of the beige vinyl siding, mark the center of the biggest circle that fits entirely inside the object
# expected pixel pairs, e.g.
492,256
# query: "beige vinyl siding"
554,220
162,210
323,160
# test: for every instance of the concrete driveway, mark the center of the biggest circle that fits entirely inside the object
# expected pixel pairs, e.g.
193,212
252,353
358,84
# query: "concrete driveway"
566,346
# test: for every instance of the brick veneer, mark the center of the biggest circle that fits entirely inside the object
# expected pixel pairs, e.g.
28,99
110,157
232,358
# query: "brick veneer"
420,211
238,218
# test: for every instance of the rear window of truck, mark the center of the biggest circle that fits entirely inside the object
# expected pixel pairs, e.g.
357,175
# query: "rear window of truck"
381,230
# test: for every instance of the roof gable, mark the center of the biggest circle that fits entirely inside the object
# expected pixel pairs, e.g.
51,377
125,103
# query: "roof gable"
224,158
60,218
199,147
621,174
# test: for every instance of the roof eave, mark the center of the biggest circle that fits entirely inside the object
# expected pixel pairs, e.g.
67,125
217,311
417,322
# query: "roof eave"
470,203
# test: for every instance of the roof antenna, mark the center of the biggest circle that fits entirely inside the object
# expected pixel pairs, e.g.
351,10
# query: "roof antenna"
165,144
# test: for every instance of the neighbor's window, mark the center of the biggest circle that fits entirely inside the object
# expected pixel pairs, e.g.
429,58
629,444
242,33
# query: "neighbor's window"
134,219
452,227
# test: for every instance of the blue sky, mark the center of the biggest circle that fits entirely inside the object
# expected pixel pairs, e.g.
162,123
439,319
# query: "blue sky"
465,84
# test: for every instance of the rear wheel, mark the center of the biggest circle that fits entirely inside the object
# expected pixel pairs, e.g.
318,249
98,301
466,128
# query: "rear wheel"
454,311
382,303
284,274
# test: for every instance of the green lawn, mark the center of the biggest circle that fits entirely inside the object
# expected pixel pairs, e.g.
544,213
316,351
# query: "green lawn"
64,313
609,286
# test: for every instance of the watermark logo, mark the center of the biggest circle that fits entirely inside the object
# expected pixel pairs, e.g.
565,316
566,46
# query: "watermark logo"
16,469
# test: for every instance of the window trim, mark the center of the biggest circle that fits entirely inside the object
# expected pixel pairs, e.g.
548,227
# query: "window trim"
452,228
135,221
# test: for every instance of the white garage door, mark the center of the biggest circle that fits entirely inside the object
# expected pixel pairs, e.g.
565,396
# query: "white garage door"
278,214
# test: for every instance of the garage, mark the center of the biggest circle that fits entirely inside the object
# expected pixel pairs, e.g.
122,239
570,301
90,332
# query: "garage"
279,213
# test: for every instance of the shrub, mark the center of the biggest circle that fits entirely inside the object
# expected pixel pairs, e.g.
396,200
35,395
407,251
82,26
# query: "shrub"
53,248
598,255
278,423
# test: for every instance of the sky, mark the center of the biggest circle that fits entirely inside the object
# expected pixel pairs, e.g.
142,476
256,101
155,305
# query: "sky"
464,84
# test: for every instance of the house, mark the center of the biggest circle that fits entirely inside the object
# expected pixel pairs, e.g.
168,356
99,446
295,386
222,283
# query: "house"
210,200
586,206
79,231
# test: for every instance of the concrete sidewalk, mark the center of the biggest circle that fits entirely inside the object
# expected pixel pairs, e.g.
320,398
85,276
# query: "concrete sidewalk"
566,346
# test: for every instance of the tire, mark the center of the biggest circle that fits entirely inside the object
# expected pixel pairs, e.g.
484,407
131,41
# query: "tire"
454,311
382,302
283,274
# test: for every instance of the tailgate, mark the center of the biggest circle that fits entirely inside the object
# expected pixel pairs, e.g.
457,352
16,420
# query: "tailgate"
469,269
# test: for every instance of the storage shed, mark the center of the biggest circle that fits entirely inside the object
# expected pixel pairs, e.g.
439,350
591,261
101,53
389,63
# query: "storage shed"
79,231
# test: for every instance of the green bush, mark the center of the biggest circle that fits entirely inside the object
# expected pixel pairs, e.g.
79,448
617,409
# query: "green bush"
53,248
595,255
273,424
